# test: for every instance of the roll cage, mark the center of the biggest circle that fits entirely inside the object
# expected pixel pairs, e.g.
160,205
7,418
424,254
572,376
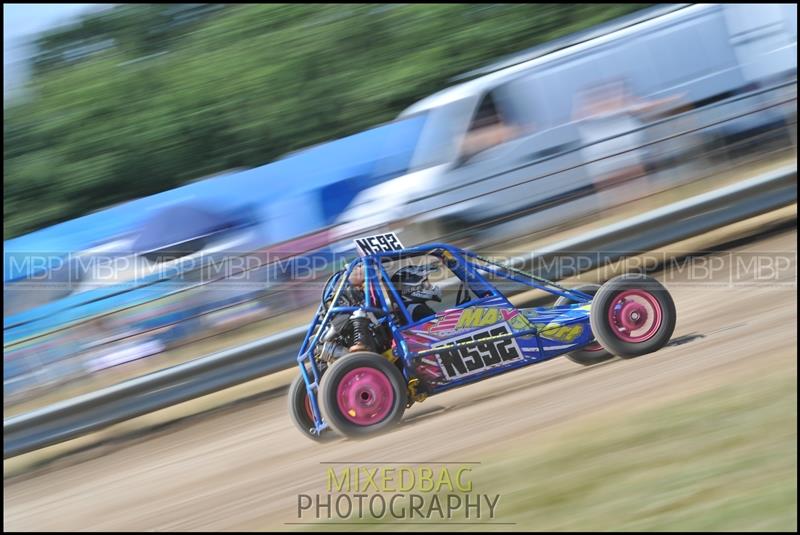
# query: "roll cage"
465,265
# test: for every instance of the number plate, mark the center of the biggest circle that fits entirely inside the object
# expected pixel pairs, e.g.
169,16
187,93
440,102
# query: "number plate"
382,243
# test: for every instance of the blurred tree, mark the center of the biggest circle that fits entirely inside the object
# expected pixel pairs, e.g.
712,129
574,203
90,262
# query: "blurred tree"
145,97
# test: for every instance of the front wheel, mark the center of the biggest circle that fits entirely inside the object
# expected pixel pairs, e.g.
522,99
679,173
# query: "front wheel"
301,412
632,315
362,394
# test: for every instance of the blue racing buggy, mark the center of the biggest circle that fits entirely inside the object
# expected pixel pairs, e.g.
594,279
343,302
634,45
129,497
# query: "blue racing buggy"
400,324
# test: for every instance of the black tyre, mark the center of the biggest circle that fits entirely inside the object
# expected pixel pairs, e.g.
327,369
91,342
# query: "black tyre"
593,353
632,315
301,412
362,394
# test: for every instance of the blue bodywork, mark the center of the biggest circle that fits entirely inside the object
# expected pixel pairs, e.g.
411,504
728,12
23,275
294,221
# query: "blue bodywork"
504,336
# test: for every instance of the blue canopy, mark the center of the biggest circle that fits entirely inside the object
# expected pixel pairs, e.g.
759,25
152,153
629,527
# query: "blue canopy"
355,162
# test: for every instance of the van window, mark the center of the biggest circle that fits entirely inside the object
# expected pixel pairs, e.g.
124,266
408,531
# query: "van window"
493,123
525,99
439,141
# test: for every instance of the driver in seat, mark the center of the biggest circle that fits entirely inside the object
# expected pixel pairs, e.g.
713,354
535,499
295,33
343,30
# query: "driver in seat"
416,290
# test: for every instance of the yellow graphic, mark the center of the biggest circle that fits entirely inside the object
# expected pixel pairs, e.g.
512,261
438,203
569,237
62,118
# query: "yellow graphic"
478,317
481,316
520,323
562,333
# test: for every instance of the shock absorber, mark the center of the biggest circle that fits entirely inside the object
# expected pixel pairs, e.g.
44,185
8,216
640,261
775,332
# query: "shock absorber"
362,336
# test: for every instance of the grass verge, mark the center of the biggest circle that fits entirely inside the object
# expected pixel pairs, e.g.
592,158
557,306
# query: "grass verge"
724,460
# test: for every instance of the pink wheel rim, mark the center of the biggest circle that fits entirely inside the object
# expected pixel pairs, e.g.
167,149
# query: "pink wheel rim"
365,396
635,316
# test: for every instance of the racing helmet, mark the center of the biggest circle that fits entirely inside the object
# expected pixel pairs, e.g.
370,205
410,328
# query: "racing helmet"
413,284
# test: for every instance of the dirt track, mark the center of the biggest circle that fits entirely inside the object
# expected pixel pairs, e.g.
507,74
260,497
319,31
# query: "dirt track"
244,469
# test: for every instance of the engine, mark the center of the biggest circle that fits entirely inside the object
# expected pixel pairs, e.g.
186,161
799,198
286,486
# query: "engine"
356,332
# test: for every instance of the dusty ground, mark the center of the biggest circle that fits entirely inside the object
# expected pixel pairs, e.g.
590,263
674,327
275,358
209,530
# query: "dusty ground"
244,469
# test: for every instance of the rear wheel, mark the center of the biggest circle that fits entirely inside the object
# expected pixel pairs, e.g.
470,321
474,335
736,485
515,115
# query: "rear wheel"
593,353
362,394
633,315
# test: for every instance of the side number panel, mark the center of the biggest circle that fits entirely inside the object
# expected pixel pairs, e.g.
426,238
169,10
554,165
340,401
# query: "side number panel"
459,362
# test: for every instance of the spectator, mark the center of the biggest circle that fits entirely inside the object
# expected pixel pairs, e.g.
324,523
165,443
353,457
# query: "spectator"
488,129
611,123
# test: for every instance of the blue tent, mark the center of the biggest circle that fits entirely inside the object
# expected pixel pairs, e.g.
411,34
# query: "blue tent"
319,182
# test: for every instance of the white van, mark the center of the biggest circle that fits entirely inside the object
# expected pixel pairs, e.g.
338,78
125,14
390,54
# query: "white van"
515,139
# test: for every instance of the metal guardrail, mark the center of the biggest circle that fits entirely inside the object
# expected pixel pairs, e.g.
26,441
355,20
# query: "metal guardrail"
671,223
84,414
96,410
